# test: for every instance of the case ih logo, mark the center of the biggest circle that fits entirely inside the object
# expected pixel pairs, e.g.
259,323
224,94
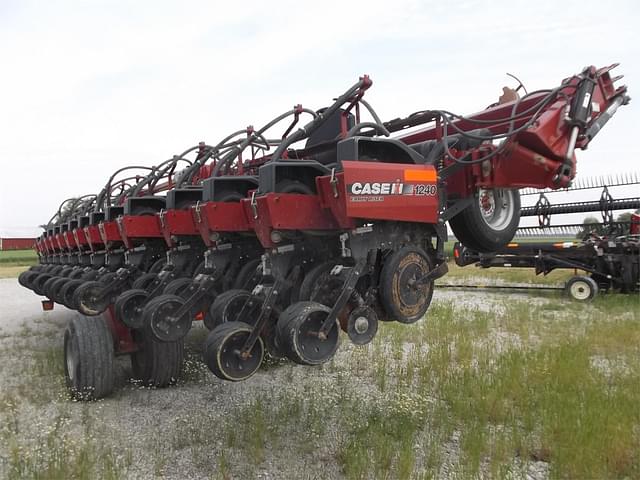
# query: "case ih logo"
390,188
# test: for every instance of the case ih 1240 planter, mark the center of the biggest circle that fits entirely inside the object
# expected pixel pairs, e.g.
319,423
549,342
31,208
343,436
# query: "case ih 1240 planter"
280,237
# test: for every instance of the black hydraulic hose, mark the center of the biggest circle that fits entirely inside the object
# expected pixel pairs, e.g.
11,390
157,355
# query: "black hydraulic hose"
201,160
236,150
542,104
105,194
377,127
310,127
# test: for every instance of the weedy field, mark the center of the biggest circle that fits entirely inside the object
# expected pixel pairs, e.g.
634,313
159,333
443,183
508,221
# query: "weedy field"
487,385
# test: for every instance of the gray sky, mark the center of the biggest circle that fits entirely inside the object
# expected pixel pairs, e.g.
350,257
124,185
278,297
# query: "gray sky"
87,87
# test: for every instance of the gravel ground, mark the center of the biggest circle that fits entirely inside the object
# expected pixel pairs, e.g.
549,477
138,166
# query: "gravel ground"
151,424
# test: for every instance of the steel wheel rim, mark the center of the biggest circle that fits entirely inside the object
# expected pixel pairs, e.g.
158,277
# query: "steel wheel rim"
580,290
496,207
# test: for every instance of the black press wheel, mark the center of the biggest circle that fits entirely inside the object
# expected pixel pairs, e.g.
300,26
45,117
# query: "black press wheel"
144,281
222,352
107,277
157,265
248,276
581,288
490,222
297,333
67,293
227,307
76,274
161,316
90,298
88,358
56,287
26,278
155,363
402,297
129,306
39,281
314,280
178,286
46,286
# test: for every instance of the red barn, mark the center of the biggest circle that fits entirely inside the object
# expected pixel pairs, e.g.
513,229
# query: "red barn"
17,243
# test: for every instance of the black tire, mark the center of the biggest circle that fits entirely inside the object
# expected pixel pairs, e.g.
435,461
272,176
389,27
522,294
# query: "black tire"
144,281
178,286
90,298
486,229
248,276
107,278
24,278
198,269
581,288
129,307
157,265
226,307
293,186
231,197
156,314
56,287
76,274
220,352
88,358
67,293
156,364
39,281
46,286
402,301
90,276
293,328
320,286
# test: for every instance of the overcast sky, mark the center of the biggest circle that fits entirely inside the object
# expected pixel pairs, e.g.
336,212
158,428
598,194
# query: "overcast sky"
87,87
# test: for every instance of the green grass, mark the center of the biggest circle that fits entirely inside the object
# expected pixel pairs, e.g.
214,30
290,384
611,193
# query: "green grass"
474,392
14,262
18,257
472,273
467,392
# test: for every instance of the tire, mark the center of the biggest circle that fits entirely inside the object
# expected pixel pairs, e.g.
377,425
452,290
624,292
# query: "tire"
219,350
156,313
401,301
76,274
46,287
311,279
157,265
248,276
144,281
310,290
225,307
24,278
107,278
292,330
56,287
88,358
90,299
39,281
129,307
293,186
581,288
67,293
490,222
156,364
178,286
